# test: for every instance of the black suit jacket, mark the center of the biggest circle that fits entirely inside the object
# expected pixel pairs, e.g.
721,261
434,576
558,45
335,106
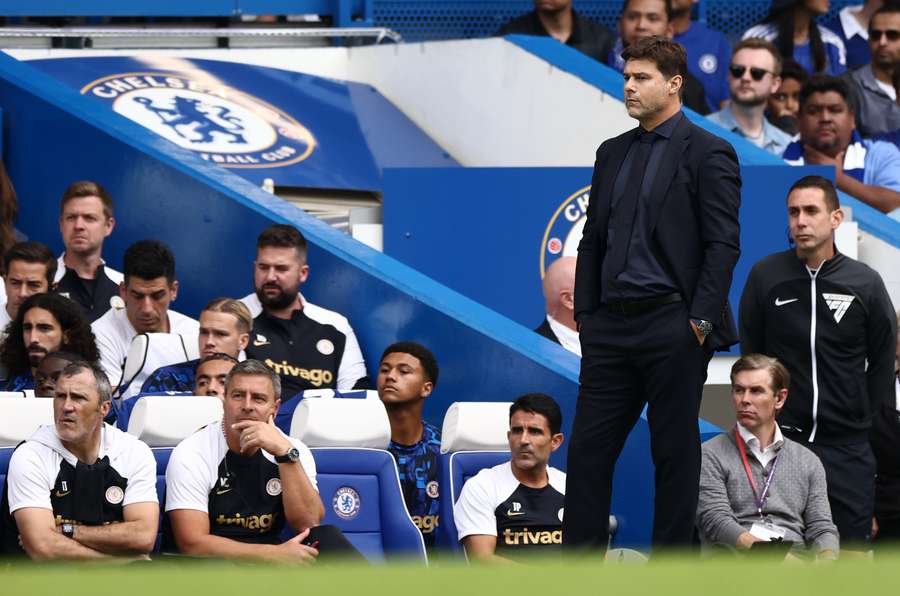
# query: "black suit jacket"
545,330
693,224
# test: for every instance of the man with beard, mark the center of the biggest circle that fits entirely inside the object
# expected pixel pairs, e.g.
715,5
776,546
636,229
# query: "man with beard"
878,110
868,170
45,323
307,346
753,77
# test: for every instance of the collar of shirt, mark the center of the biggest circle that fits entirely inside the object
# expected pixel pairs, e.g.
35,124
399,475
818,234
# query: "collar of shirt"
763,456
726,117
667,128
61,267
568,338
850,24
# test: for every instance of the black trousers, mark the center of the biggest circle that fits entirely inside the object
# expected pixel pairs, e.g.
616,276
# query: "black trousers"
850,474
652,358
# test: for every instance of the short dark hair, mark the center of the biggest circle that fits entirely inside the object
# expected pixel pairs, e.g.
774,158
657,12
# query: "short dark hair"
889,7
670,12
32,252
832,202
149,259
791,69
669,57
824,84
779,375
216,356
78,337
758,43
539,403
420,352
86,188
283,236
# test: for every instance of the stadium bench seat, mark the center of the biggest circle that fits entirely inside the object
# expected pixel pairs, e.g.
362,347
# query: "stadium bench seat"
19,418
150,351
358,479
473,438
286,411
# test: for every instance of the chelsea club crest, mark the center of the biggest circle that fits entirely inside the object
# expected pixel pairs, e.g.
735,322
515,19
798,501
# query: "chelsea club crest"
564,231
222,124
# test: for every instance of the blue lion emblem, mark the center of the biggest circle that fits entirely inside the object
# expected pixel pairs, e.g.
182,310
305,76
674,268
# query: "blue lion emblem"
199,118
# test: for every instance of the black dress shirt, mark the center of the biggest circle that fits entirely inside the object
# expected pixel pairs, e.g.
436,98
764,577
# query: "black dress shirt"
643,276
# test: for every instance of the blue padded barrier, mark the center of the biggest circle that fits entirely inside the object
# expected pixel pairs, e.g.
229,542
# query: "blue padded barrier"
360,489
456,469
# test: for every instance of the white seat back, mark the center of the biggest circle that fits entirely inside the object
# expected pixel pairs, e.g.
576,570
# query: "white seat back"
341,423
19,418
476,426
150,351
12,394
165,420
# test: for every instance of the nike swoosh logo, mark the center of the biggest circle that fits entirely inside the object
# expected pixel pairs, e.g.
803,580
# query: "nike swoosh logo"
61,494
780,302
257,343
222,492
511,514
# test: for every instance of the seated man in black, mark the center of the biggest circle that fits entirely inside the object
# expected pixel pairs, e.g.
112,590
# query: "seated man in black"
557,19
80,489
45,323
516,508
232,486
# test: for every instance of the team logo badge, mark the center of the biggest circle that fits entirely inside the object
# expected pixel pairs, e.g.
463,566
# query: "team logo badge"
838,304
273,487
223,125
346,502
563,233
325,347
116,302
433,489
708,63
560,513
115,495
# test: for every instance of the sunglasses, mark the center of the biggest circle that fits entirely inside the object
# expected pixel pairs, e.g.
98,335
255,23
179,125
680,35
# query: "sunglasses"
756,74
891,34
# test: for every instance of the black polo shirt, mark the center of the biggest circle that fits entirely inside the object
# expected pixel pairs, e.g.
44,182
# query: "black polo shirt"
93,295
314,349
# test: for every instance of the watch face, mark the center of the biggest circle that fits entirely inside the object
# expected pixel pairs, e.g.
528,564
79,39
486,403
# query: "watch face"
294,454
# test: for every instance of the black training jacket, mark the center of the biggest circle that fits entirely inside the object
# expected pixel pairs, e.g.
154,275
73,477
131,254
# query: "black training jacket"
825,328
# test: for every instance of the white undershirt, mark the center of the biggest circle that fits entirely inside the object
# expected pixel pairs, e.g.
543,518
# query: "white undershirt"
763,456
568,338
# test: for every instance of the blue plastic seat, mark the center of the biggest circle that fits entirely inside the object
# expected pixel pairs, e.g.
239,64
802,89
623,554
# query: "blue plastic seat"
456,469
360,489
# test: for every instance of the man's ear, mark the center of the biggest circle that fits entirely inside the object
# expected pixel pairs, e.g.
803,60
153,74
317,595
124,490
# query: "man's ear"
427,388
556,441
244,340
837,217
780,398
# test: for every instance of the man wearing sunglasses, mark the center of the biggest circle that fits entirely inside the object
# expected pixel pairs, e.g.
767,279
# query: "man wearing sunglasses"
878,111
754,75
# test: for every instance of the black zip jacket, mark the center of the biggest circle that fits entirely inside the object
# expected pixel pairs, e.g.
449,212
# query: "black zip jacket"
844,311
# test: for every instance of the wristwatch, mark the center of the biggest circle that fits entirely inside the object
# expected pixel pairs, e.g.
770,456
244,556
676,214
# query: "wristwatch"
291,457
704,327
68,530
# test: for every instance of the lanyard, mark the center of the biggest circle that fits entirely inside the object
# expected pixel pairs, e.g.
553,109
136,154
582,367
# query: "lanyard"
760,497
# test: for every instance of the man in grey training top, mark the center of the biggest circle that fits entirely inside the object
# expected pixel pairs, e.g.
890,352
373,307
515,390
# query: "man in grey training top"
756,485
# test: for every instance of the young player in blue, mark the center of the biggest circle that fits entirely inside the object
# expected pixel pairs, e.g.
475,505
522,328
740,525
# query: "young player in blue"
708,53
406,376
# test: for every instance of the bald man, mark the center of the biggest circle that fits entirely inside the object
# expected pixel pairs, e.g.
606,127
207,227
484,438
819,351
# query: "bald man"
559,297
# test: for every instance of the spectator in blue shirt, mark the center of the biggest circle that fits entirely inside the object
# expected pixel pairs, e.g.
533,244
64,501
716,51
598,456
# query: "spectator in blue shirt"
851,24
708,53
791,26
752,77
866,169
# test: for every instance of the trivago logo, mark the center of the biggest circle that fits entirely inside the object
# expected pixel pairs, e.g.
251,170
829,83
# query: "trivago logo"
563,233
224,125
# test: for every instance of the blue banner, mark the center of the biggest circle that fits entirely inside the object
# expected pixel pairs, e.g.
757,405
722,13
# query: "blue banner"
299,130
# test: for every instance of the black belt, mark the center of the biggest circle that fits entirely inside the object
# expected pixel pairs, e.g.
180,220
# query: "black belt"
638,306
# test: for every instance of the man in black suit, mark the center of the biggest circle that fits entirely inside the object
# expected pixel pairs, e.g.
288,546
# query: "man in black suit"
654,268
559,298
